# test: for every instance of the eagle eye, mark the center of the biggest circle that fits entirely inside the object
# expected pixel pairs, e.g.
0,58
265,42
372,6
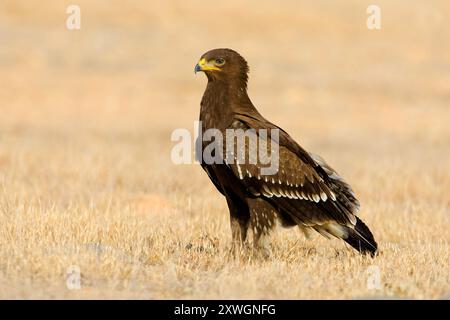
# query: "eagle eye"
219,62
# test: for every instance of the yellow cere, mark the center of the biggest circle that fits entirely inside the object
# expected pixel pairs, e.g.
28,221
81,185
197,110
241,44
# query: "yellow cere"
207,66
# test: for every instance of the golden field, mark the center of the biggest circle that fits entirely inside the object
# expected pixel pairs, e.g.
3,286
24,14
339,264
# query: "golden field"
86,179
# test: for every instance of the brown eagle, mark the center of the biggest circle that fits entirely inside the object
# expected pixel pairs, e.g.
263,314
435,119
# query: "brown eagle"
304,191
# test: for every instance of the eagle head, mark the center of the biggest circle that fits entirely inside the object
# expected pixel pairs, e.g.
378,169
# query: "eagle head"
224,64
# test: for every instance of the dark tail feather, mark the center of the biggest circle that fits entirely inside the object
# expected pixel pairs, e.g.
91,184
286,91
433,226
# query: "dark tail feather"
362,239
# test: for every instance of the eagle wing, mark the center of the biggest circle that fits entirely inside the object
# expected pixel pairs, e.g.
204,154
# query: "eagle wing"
304,186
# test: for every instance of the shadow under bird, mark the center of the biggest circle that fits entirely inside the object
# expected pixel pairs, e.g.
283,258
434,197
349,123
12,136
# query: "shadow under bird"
305,191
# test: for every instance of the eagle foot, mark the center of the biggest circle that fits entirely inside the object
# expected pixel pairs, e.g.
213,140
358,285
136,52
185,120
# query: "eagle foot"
262,252
238,250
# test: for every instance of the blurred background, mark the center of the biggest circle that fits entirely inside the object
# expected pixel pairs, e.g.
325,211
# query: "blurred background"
86,116
136,60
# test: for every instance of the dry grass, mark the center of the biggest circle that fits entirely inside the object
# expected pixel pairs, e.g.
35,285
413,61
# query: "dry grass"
85,123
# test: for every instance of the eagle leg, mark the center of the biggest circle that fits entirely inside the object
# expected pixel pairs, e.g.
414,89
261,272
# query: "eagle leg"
239,222
262,218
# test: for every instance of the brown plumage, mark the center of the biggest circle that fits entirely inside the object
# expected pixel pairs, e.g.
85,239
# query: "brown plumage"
305,191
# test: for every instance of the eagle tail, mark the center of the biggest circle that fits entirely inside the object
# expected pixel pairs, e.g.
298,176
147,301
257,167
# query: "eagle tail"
361,238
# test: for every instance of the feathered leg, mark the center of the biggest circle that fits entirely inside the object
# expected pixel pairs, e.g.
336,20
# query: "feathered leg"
262,219
239,221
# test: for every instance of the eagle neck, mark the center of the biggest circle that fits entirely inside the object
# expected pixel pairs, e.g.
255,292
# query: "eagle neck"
222,100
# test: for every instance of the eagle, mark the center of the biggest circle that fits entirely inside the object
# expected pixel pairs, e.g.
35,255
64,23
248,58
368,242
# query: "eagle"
304,191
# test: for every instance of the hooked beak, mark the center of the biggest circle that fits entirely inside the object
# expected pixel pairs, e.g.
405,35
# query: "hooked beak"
197,68
202,65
